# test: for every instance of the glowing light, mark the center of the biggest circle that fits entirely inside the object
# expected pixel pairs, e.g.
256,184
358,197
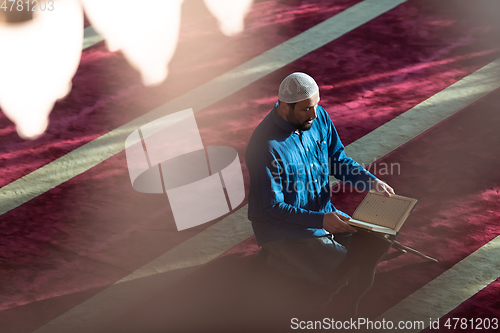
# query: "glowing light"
230,14
37,62
145,31
40,57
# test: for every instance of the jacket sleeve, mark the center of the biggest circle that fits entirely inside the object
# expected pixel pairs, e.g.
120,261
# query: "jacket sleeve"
269,175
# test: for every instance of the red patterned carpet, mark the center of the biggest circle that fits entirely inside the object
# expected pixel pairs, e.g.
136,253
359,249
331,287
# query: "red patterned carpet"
450,169
70,243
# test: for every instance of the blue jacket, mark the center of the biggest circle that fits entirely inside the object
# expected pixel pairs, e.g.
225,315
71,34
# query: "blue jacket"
289,170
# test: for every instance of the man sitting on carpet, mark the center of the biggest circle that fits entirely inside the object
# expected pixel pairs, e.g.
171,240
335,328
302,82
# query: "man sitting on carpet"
289,202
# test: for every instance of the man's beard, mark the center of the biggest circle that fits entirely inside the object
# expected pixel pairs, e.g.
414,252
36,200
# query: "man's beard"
304,126
300,126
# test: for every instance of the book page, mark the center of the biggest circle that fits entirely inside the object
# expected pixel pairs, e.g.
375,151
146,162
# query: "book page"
384,211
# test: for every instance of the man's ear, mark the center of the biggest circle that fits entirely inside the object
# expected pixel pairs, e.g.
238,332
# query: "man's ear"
284,108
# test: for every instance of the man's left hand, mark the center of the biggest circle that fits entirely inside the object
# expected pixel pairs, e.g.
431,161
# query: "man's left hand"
381,187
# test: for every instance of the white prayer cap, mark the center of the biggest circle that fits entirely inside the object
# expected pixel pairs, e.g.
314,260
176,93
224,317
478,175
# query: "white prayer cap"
297,87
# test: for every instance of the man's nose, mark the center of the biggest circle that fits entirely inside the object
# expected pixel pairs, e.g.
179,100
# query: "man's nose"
313,114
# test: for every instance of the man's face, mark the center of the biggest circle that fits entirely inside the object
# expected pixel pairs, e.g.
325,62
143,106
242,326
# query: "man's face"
304,113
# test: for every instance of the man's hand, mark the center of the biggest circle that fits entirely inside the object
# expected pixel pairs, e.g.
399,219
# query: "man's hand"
336,223
381,187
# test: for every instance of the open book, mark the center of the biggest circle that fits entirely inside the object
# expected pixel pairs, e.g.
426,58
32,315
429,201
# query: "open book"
382,214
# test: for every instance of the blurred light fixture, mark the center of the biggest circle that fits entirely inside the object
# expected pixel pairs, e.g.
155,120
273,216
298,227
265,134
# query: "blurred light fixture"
38,59
230,14
40,51
145,31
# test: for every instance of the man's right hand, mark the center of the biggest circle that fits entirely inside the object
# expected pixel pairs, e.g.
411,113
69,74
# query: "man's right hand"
336,223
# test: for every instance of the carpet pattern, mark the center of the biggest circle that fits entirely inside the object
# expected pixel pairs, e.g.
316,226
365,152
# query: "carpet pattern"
68,244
